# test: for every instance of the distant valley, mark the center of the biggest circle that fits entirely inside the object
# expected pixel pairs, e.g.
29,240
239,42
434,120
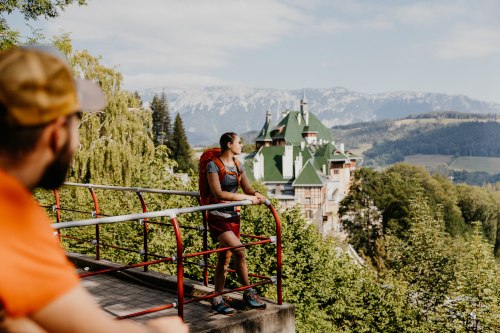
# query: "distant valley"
450,143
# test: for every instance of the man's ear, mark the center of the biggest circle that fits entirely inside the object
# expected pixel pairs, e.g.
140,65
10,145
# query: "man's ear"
57,134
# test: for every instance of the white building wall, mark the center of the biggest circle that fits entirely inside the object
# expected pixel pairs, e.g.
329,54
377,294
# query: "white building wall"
258,166
287,162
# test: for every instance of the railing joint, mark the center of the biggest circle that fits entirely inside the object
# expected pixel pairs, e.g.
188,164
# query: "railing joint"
94,214
273,240
274,279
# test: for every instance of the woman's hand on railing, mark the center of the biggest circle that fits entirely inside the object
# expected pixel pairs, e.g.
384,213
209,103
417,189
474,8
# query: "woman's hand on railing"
262,199
255,200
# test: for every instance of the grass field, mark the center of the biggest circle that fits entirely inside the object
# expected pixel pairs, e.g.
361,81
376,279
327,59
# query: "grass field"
471,164
429,160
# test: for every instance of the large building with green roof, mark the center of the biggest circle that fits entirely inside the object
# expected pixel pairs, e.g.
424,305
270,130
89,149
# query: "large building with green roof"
299,162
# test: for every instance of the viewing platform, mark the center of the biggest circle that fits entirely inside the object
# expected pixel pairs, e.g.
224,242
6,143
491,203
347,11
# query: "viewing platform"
122,293
134,291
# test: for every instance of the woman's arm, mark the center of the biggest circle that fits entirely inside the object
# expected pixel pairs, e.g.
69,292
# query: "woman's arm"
213,181
248,189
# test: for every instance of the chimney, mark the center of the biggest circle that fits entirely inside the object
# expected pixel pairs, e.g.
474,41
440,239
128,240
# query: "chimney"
303,108
298,164
258,166
341,147
287,162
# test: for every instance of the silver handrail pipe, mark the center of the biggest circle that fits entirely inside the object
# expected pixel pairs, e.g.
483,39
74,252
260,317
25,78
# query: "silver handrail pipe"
140,216
133,189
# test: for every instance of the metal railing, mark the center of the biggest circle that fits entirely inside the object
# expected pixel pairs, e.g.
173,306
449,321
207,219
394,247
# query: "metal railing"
180,257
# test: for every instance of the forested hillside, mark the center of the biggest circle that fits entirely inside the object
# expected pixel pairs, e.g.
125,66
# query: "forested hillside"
463,139
463,146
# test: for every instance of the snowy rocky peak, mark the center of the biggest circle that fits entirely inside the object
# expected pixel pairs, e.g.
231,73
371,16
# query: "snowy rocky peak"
208,112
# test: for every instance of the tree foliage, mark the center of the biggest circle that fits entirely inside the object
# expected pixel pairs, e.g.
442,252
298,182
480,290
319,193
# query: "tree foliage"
162,125
31,10
474,301
380,202
181,150
424,260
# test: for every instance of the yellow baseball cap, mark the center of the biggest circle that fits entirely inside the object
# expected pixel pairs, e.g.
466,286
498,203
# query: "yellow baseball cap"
36,86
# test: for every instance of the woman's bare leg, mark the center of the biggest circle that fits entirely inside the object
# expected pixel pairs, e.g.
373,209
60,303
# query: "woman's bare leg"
227,239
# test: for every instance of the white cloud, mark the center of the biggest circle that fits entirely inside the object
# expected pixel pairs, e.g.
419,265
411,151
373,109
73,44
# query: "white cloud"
467,41
428,12
178,80
180,35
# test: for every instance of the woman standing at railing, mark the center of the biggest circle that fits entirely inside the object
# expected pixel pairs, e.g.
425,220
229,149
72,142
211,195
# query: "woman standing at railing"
224,225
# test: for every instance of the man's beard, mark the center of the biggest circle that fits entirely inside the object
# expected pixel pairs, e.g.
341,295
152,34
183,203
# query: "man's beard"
55,174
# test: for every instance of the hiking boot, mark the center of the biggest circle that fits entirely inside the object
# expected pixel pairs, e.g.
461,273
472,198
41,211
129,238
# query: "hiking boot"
223,308
253,300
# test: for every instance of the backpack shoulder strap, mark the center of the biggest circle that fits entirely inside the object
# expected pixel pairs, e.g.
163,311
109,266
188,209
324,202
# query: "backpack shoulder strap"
222,168
238,170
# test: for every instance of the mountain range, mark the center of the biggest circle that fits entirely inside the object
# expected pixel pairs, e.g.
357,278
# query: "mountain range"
210,111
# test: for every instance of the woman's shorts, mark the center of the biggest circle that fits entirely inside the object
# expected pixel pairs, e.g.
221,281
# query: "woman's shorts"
217,225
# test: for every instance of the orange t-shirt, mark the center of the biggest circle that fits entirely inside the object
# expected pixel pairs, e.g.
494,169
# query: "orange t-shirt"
34,270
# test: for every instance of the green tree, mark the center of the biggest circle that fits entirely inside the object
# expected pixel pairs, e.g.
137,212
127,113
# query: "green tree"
32,10
161,120
115,149
425,260
331,293
380,202
479,204
181,151
361,217
474,304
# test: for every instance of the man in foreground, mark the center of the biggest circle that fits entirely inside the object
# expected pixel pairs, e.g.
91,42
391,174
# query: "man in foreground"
40,107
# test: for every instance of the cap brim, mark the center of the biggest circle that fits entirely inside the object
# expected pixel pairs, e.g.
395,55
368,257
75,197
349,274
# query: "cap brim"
90,96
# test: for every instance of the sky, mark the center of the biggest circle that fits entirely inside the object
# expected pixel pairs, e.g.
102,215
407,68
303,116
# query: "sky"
370,46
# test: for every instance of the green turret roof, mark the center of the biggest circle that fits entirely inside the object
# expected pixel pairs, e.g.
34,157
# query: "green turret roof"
291,131
309,176
265,133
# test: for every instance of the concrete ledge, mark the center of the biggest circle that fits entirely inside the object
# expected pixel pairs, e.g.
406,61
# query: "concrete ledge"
280,319
275,318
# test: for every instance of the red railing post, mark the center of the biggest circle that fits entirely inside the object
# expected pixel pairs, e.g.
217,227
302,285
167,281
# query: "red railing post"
144,230
205,244
97,227
180,268
278,254
57,208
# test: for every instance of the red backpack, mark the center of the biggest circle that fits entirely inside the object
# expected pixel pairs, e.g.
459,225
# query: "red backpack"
213,154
